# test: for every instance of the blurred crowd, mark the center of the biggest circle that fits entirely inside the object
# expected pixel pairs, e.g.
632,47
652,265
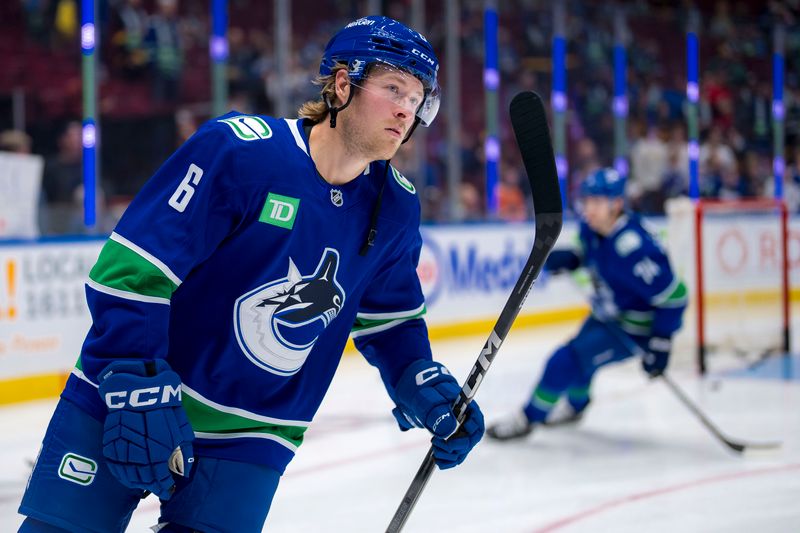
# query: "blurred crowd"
155,89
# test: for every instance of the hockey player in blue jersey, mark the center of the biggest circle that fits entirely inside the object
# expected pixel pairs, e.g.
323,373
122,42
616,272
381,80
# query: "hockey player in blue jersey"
223,300
636,294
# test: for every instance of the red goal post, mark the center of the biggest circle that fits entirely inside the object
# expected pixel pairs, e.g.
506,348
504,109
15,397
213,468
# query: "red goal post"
778,207
737,243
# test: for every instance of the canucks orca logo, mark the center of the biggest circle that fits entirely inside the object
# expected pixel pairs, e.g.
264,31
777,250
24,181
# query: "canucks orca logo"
278,323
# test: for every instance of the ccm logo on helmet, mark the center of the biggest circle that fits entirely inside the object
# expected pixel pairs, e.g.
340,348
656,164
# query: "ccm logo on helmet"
423,56
142,397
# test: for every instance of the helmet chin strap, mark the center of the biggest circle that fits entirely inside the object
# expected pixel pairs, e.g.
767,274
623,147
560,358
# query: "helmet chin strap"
333,110
411,130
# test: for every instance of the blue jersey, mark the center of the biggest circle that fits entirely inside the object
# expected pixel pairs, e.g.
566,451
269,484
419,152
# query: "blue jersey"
633,280
240,266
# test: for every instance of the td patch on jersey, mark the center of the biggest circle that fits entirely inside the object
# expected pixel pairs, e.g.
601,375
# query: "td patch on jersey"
278,323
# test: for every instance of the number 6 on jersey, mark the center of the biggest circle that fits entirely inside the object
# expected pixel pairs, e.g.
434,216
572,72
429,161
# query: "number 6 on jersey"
180,198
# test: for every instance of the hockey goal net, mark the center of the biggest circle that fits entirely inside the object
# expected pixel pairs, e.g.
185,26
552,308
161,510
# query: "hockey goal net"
734,257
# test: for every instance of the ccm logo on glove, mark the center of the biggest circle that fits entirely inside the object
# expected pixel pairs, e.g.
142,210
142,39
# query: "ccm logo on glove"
143,397
430,373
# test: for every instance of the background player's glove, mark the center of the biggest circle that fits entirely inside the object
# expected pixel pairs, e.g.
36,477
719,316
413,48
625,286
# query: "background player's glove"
146,435
655,359
425,394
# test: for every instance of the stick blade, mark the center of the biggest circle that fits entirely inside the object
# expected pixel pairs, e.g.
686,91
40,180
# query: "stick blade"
529,120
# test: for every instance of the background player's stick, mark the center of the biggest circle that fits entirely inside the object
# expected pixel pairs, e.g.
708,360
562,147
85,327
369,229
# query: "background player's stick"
533,137
735,445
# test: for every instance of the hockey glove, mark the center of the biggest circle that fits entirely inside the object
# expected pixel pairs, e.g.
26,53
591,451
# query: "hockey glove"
425,395
146,435
655,359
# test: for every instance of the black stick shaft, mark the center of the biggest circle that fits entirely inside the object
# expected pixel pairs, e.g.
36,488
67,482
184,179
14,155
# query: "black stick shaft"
533,137
735,446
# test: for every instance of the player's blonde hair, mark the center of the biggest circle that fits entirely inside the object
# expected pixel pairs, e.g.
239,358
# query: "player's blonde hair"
317,110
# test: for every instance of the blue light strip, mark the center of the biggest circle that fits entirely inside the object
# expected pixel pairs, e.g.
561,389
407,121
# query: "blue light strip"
89,133
218,46
778,112
620,109
693,95
491,84
558,100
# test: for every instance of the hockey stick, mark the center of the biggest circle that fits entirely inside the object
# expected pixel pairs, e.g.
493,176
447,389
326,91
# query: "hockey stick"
533,137
735,445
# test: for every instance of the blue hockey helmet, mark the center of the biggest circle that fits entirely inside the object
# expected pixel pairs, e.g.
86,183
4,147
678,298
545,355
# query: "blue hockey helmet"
382,40
604,182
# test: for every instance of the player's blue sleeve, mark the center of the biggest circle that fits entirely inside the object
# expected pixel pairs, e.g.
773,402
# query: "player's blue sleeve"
652,278
389,330
176,221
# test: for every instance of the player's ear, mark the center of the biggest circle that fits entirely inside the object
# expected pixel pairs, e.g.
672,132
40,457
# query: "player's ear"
341,85
619,205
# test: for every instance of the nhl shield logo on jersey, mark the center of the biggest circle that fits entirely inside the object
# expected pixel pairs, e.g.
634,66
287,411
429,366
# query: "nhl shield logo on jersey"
278,323
337,198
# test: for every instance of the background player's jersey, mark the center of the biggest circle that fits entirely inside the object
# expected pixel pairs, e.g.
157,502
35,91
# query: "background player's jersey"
632,277
240,265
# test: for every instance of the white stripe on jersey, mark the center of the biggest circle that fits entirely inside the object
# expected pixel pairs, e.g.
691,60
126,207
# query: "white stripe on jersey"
125,295
389,316
150,258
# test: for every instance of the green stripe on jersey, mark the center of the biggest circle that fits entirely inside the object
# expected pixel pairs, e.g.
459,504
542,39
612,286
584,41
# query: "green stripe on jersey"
121,268
678,297
207,419
675,295
637,319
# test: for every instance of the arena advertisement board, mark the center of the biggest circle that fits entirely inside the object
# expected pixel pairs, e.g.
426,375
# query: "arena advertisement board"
745,253
467,272
43,312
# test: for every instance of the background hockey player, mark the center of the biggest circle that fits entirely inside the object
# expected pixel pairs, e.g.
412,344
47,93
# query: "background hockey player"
636,294
223,300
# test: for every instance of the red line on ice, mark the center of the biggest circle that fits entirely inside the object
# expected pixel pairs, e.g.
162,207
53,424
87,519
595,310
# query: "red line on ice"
639,496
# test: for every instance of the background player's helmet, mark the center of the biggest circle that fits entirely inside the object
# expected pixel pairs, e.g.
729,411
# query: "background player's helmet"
382,40
604,182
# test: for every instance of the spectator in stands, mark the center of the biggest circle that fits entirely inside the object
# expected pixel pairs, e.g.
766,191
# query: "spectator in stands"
471,203
676,176
186,124
584,163
511,203
62,184
243,78
65,23
729,185
791,186
716,158
38,19
15,141
649,159
756,172
164,44
128,28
